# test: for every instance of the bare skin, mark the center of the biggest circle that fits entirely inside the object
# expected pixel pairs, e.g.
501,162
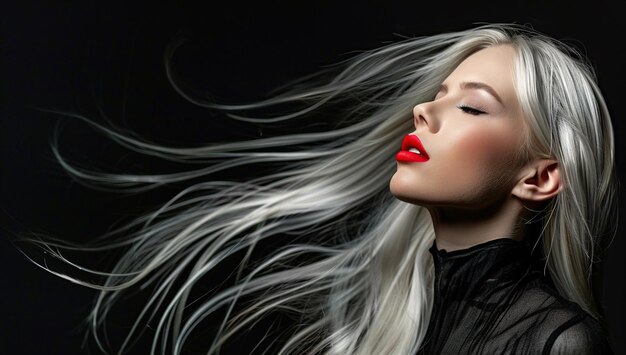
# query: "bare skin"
475,184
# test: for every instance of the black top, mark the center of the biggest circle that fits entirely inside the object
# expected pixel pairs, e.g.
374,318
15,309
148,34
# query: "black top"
493,299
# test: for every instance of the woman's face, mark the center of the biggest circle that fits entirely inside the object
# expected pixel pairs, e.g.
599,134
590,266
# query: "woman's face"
471,135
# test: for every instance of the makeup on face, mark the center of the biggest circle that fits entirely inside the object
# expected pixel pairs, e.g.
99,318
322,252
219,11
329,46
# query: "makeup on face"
467,138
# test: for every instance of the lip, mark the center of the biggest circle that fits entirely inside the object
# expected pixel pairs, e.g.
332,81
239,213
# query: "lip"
405,156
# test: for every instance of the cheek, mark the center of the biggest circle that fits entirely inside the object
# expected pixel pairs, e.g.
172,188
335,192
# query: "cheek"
479,163
484,147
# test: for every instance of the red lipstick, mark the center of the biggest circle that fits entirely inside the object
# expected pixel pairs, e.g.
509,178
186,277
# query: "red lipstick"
412,150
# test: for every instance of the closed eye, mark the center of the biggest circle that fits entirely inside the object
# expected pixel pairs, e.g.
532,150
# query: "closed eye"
470,110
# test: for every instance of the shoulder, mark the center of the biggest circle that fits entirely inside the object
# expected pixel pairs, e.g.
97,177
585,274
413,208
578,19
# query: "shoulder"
564,326
581,334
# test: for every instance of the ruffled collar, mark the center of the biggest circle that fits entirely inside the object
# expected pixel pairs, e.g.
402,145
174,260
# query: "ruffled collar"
483,272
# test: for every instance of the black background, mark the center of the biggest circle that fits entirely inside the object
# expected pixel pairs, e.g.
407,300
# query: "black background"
83,56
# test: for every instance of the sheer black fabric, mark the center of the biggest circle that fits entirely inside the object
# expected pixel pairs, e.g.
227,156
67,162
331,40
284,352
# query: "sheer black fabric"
493,298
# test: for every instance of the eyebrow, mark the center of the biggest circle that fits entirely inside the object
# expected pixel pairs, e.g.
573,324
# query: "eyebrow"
476,85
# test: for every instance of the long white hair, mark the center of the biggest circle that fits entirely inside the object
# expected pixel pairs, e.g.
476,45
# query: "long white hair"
320,237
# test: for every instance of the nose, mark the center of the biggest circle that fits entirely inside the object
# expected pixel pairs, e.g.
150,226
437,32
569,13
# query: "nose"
424,117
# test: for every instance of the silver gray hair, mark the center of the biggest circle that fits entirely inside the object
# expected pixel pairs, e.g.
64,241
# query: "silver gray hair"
350,261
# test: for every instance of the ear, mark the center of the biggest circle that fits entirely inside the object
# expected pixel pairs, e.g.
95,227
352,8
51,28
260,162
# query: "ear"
540,180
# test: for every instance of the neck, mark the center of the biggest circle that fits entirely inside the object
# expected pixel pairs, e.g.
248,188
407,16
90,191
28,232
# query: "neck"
457,228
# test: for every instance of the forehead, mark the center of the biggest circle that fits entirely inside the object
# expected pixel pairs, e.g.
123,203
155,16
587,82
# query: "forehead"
492,66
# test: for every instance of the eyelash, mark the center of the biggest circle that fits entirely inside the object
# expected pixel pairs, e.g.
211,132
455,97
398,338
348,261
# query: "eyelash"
470,110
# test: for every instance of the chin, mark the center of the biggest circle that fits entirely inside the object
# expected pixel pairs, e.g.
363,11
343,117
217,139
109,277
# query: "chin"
407,191
403,192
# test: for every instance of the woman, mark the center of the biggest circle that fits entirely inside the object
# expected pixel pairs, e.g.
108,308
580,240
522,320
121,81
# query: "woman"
478,238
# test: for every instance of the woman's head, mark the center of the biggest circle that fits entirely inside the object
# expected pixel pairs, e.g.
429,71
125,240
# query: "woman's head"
546,92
